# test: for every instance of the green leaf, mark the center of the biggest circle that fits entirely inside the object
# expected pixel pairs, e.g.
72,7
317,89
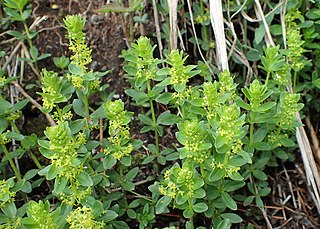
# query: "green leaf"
224,224
16,34
200,207
52,172
126,161
77,125
59,184
10,210
164,98
261,146
259,175
34,53
228,201
265,191
109,215
78,107
108,162
138,96
148,159
30,174
234,218
167,118
188,212
14,135
162,204
84,179
132,174
236,176
216,174
259,135
145,119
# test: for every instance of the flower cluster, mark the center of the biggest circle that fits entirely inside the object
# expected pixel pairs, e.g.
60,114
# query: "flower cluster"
179,74
51,90
78,45
82,218
6,195
229,128
288,107
193,136
119,139
64,146
40,214
229,169
294,40
180,182
141,64
217,93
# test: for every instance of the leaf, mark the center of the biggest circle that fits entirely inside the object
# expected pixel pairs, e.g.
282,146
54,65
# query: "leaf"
216,174
259,175
200,207
259,135
59,184
262,146
164,98
16,34
236,176
145,119
78,107
30,174
126,161
108,162
148,159
34,53
224,224
14,135
10,210
234,218
167,118
162,204
109,215
77,125
228,201
132,174
84,179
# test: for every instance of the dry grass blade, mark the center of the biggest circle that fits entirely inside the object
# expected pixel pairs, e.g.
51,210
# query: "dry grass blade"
216,18
173,9
157,24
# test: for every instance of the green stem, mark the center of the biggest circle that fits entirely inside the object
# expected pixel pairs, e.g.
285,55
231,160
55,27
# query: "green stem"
33,157
13,166
251,129
35,160
267,79
153,119
141,196
295,80
123,191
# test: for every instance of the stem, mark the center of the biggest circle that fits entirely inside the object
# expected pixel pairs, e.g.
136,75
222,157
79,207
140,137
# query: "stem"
13,166
35,160
154,120
123,191
251,129
267,79
295,80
